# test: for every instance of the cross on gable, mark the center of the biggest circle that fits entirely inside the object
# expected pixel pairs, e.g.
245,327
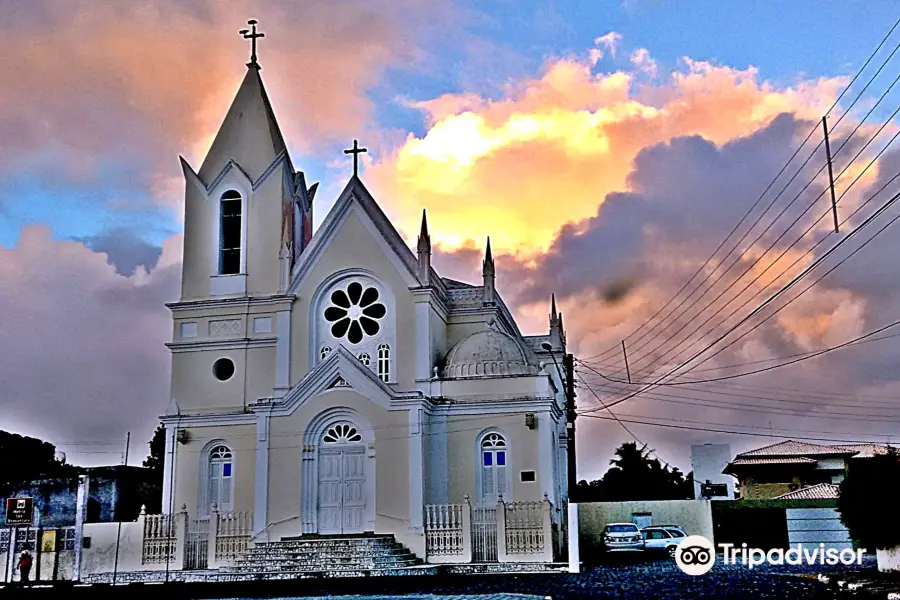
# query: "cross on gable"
250,34
356,151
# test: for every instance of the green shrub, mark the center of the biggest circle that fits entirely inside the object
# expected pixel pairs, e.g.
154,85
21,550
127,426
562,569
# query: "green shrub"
868,501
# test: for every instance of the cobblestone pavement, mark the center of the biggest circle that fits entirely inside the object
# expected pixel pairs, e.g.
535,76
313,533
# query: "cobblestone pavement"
625,579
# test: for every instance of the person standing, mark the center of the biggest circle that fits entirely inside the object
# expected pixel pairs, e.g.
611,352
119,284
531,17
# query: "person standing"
25,562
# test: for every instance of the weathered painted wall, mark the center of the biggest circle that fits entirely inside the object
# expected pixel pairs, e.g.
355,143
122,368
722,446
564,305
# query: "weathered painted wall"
694,516
101,556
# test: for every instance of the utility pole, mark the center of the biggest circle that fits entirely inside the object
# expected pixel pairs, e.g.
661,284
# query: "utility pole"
569,366
116,508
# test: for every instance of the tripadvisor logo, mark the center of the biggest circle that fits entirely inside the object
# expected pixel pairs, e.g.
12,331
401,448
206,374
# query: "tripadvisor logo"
696,555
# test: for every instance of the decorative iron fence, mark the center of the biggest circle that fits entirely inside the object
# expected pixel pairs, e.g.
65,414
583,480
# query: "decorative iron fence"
196,544
484,534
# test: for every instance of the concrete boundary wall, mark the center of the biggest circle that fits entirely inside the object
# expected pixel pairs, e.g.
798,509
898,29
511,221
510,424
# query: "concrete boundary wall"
694,516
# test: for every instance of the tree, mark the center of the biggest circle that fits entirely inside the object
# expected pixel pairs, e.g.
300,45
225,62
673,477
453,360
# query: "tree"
867,500
155,461
635,475
25,459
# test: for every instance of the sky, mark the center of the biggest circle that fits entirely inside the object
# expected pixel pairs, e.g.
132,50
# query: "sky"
607,147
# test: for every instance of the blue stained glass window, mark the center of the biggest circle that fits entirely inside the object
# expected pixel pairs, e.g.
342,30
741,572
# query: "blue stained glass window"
226,470
488,459
501,459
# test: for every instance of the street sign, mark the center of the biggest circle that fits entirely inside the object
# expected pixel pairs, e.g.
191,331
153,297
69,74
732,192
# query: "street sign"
19,511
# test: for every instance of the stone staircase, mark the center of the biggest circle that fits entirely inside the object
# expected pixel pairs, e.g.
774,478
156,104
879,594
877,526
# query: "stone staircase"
321,556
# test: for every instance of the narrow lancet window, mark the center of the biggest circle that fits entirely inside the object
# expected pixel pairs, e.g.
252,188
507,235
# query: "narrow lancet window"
230,234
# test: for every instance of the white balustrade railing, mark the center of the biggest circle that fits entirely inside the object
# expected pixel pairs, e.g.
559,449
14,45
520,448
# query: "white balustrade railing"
525,528
158,539
232,532
501,532
448,534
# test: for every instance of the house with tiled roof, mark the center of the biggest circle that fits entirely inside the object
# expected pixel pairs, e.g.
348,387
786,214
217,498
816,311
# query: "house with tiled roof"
792,470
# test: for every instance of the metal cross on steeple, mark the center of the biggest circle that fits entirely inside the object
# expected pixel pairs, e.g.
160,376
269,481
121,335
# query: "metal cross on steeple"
252,36
356,151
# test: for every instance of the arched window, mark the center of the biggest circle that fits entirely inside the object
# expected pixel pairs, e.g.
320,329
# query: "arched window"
384,362
493,467
230,233
220,475
364,359
324,352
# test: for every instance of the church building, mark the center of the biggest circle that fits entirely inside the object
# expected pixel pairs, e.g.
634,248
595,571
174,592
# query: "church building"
333,382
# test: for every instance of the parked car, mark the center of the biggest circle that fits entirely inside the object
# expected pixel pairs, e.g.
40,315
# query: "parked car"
675,530
662,539
618,537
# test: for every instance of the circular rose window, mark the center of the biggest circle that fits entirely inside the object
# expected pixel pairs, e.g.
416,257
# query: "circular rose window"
355,313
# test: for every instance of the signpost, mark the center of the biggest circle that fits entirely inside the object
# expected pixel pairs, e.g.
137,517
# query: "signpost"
19,511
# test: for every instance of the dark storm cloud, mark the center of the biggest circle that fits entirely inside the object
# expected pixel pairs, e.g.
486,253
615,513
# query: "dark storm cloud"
125,250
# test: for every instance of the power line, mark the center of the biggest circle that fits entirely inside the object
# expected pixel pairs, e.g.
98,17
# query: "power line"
733,432
775,242
761,409
796,152
809,356
787,287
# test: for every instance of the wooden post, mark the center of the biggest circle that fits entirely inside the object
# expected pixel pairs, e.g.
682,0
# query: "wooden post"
830,173
625,354
212,533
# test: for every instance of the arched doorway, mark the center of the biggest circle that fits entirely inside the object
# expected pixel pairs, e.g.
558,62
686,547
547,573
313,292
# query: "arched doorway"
342,480
338,484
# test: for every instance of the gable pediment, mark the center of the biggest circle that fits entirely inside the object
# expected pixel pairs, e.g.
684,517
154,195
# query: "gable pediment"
341,370
356,200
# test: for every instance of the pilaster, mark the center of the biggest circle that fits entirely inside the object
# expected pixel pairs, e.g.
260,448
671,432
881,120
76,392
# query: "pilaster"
416,470
261,475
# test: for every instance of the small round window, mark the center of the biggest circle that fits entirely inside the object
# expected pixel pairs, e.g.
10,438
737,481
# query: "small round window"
223,369
355,313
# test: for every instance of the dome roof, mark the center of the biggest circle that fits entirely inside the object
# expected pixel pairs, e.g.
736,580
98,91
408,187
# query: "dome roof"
487,353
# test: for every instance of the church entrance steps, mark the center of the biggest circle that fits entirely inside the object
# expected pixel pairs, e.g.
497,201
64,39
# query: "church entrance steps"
338,556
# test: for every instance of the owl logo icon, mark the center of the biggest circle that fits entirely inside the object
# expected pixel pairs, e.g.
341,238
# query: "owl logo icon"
695,555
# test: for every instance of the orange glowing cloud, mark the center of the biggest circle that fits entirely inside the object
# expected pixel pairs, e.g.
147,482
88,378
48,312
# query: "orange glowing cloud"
90,85
550,150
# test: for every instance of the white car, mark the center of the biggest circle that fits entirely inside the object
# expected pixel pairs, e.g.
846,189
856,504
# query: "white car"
662,539
618,537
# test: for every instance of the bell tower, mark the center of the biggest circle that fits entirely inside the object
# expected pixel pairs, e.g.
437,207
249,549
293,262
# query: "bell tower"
248,213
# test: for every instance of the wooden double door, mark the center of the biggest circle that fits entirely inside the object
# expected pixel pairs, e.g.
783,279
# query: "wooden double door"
343,487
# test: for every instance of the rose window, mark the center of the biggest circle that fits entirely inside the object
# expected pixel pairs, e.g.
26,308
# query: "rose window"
355,313
342,434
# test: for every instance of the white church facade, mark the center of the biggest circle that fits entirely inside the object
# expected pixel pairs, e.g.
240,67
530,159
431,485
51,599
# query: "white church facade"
334,383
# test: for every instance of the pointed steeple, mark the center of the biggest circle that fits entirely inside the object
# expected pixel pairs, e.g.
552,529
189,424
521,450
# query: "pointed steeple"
249,135
424,251
554,316
488,273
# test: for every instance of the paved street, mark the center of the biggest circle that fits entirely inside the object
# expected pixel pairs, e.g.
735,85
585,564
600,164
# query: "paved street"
628,578
635,578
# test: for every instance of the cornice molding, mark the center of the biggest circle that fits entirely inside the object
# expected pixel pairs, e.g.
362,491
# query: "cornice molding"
239,344
239,302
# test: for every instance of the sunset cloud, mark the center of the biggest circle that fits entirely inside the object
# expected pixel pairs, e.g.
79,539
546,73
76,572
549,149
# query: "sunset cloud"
92,88
553,147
